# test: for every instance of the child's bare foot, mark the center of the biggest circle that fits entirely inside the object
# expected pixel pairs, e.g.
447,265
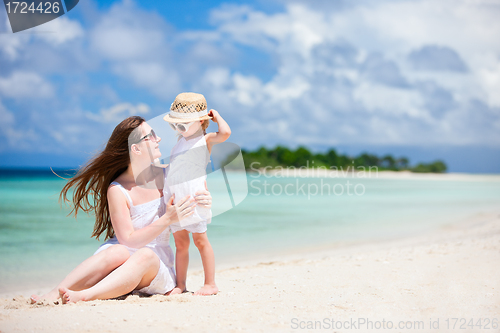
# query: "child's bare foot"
208,289
69,296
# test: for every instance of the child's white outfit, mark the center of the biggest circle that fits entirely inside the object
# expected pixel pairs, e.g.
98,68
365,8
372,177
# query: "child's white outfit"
141,216
186,174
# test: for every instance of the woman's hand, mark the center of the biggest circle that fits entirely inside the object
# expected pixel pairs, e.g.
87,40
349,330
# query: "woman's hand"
180,210
203,198
158,164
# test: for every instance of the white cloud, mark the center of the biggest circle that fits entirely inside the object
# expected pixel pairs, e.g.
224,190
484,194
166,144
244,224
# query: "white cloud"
397,28
55,32
22,85
217,77
59,31
294,88
118,112
128,33
489,76
6,116
391,101
10,43
301,27
154,76
117,40
138,47
15,138
247,89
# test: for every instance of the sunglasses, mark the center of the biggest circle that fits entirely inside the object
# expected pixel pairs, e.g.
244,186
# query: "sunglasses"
151,136
181,127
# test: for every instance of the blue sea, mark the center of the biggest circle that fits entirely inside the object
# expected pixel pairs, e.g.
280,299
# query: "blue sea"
39,243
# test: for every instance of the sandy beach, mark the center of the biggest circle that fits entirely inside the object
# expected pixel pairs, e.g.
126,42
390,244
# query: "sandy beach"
424,281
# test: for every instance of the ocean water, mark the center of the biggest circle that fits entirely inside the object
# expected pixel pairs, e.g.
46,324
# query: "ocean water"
39,244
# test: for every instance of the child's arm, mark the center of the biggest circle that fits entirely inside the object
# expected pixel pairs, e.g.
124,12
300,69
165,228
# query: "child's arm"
223,133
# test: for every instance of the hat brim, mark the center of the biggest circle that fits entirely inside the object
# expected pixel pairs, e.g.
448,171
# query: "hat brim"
170,119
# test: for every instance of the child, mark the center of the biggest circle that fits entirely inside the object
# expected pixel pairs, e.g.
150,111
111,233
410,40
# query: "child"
186,175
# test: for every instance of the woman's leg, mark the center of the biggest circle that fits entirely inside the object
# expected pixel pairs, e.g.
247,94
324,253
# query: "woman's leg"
136,273
208,260
89,272
181,238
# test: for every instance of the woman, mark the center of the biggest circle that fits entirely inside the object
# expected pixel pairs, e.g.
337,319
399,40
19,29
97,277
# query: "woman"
133,217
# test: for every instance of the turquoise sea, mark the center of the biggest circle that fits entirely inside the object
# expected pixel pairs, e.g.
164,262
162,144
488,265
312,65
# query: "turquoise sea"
39,244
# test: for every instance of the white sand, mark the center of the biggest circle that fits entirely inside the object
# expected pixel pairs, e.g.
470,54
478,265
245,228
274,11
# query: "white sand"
450,273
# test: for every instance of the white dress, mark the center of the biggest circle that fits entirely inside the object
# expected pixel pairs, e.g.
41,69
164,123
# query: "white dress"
186,174
141,216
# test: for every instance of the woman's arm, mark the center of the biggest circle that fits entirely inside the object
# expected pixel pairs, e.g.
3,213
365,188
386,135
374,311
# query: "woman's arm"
122,224
203,197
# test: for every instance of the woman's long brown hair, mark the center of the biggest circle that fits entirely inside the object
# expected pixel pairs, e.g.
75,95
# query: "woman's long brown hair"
93,179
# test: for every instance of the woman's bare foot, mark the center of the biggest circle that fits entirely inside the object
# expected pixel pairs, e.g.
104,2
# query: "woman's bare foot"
51,296
208,289
69,296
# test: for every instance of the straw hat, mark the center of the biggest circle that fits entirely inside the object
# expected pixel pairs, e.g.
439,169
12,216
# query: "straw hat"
188,107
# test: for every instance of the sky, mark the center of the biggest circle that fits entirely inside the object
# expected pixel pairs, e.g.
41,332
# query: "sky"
416,78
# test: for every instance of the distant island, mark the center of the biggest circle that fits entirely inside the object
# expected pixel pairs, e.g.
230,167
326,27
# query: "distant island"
301,157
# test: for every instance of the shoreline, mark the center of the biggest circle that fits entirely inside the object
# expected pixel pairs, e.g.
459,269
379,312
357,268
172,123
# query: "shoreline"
448,272
363,174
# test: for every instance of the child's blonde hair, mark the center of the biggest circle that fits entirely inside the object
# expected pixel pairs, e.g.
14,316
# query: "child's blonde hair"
204,125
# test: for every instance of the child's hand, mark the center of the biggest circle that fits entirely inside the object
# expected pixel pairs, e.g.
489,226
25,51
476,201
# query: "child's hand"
222,134
214,114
